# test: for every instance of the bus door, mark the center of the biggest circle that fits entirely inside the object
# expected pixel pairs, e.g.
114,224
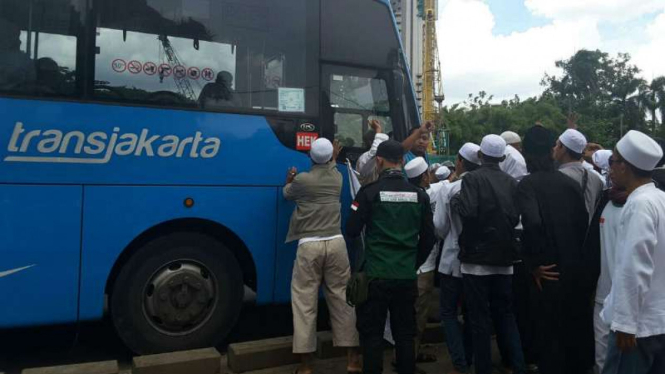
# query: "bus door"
352,98
40,229
40,209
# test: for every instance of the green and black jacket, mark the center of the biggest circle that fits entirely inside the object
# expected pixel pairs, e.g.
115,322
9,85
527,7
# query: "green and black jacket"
399,232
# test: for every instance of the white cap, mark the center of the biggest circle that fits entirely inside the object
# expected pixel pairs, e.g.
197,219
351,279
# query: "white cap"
415,167
511,137
469,152
493,146
434,167
640,150
573,140
322,151
442,173
602,159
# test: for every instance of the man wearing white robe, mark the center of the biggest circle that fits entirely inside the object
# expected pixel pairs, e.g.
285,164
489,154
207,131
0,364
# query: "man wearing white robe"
635,307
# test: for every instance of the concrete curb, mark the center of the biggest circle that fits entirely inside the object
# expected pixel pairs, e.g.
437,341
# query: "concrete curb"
261,354
197,361
102,367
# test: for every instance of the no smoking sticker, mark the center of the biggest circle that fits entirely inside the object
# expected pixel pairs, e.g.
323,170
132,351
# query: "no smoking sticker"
119,65
149,68
134,67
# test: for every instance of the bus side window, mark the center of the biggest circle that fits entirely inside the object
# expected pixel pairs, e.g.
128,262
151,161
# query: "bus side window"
38,47
215,55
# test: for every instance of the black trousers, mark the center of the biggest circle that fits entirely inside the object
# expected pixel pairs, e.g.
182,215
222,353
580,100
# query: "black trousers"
525,307
566,339
486,297
398,297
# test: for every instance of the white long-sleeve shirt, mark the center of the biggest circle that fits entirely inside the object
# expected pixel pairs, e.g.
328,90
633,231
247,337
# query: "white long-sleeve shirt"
434,191
448,225
609,229
366,165
636,303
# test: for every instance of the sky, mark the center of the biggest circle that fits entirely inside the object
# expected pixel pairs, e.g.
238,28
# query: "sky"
505,47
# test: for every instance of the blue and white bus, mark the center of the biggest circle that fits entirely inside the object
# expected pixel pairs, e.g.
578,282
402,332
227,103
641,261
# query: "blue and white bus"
144,144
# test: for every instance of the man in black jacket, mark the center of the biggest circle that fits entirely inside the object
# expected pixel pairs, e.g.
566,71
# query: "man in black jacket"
487,251
399,235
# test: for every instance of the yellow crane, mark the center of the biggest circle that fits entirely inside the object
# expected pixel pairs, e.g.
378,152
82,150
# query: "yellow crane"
432,83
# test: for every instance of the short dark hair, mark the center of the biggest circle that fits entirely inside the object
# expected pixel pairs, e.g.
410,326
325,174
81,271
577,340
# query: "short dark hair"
492,160
468,165
417,180
639,172
574,155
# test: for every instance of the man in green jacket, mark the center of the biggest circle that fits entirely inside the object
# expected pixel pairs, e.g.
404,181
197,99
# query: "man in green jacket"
321,257
399,234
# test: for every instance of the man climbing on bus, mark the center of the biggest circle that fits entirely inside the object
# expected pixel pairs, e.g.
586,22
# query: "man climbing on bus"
321,257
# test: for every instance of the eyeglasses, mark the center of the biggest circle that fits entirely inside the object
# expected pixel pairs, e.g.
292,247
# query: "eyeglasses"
613,161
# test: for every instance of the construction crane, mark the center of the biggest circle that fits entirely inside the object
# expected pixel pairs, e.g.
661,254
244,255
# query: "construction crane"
432,83
182,82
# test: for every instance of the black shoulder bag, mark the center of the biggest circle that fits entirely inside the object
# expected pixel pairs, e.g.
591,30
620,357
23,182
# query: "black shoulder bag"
357,288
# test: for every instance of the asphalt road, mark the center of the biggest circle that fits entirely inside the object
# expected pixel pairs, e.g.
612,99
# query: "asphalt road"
61,345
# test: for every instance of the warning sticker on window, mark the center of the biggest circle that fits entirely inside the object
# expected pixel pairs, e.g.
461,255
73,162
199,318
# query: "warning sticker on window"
291,99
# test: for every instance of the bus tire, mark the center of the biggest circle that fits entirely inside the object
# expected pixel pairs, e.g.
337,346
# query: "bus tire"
180,291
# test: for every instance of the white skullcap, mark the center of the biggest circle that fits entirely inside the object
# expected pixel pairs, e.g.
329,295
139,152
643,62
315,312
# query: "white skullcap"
573,140
469,152
493,146
322,151
602,159
442,173
511,137
640,150
415,167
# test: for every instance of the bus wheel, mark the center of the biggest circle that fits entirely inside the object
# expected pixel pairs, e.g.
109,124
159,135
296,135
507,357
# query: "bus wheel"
178,292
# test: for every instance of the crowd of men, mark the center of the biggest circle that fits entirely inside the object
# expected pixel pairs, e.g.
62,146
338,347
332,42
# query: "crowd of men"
554,244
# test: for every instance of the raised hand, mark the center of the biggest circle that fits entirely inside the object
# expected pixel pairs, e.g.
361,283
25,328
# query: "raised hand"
375,125
337,148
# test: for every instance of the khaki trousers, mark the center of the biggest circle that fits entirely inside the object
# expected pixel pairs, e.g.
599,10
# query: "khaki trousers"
423,304
321,263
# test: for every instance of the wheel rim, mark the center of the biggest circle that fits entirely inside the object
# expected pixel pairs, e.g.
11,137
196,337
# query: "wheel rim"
179,298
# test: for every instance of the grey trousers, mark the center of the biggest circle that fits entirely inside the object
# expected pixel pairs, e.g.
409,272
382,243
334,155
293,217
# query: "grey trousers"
322,263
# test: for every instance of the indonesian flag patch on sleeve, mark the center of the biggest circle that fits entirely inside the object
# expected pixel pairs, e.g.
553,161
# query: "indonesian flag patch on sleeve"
354,206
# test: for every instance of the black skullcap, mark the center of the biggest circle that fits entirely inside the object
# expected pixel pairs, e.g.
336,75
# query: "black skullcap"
390,150
538,141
